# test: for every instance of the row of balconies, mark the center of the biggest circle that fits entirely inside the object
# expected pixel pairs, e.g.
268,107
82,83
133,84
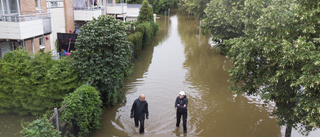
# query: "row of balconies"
19,27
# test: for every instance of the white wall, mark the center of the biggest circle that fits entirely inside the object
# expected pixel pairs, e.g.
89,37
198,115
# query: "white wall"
21,30
86,15
58,26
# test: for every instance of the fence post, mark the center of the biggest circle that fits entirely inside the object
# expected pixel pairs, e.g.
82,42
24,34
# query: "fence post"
57,118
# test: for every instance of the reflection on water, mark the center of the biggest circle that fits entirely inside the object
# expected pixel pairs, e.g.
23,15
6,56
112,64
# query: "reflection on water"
180,58
10,124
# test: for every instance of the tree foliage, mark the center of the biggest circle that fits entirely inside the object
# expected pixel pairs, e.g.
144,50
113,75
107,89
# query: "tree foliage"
274,47
83,110
103,56
143,35
40,128
159,6
146,12
196,7
34,84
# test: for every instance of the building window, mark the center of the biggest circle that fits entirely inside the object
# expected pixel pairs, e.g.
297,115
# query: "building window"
37,4
41,43
54,4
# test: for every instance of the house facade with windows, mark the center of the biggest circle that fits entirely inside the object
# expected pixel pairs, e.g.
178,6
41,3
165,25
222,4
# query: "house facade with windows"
26,24
33,24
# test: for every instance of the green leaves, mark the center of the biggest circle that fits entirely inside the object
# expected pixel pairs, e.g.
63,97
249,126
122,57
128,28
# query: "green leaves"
274,47
103,55
83,110
146,12
40,128
34,84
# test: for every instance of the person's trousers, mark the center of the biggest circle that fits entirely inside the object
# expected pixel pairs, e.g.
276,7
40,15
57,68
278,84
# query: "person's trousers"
136,122
184,119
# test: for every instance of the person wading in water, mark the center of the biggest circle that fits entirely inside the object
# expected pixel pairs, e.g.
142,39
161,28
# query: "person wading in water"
139,112
181,105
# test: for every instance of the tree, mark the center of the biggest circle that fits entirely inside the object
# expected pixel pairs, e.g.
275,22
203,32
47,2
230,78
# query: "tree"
225,19
103,55
274,46
146,12
159,6
196,7
277,59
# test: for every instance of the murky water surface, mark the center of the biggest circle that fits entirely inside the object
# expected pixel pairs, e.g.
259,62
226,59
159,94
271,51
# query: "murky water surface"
181,59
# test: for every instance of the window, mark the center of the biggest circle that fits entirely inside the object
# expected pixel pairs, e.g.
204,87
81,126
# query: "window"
54,4
37,4
41,43
8,6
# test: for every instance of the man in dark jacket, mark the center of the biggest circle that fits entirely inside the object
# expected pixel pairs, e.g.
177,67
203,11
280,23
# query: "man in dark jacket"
181,105
139,112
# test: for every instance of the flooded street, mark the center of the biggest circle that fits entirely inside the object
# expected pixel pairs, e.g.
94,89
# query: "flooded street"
181,59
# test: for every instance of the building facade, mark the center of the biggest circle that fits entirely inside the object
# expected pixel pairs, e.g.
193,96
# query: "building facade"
33,24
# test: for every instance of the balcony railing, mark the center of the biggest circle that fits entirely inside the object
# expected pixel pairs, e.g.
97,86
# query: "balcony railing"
89,5
85,11
19,27
27,17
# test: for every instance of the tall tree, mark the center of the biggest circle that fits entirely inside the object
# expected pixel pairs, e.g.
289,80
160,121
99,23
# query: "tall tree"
196,7
274,48
102,56
146,12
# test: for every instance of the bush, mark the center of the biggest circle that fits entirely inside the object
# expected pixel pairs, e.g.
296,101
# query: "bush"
83,110
103,56
146,12
143,35
159,6
136,40
40,128
34,84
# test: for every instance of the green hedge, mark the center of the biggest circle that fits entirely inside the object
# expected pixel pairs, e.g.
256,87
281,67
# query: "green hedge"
136,40
40,128
83,110
143,35
34,84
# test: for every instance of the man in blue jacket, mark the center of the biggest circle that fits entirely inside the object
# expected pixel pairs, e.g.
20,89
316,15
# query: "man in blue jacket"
139,112
181,105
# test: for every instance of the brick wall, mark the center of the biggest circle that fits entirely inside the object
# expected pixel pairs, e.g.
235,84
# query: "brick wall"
30,5
44,6
69,15
27,5
36,45
47,43
28,45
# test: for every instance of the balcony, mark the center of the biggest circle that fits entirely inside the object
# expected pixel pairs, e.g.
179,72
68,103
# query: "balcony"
20,27
85,11
116,8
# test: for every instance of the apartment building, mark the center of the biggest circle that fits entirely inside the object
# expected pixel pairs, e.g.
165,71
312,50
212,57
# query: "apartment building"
24,23
33,24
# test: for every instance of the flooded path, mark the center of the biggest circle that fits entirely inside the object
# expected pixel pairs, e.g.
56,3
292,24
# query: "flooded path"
181,59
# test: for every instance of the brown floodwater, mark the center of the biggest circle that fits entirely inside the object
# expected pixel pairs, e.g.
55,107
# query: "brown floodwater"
180,59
